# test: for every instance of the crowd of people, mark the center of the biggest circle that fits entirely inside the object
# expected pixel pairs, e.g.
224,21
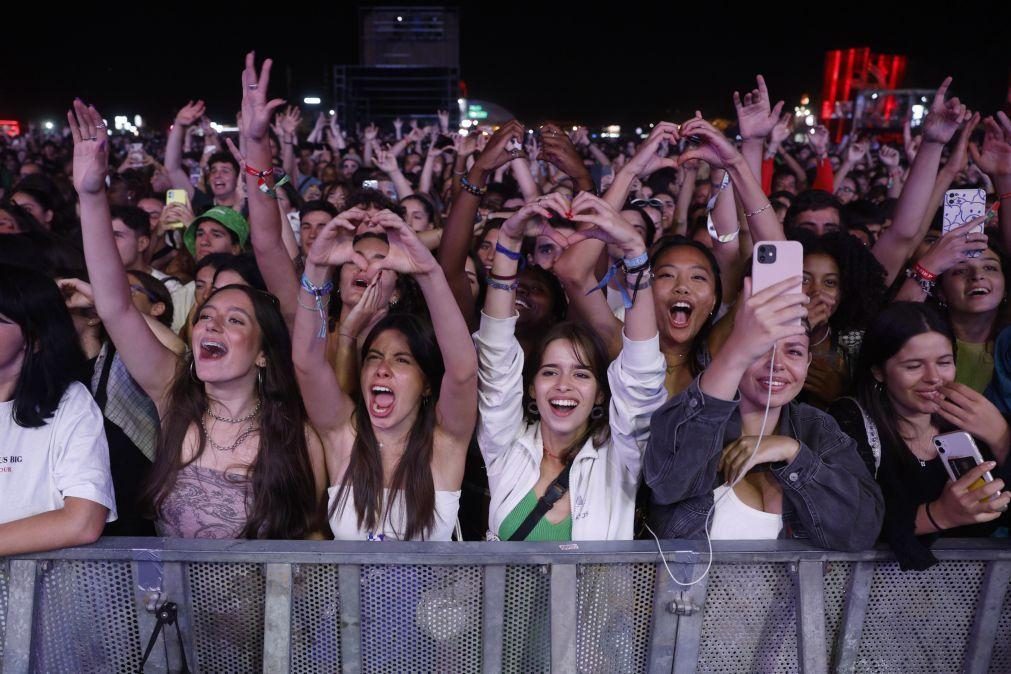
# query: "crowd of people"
415,333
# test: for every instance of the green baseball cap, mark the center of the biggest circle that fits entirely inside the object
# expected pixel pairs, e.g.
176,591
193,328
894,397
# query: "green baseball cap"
228,218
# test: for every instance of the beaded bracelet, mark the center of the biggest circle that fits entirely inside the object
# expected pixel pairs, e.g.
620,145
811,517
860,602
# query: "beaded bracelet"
319,292
472,188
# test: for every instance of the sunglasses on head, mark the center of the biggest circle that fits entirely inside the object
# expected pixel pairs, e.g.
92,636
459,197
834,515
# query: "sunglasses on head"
641,203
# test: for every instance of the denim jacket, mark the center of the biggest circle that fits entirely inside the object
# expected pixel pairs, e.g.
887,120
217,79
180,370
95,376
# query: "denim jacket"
829,497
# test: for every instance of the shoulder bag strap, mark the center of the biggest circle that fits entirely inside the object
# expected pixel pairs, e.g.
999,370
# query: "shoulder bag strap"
552,494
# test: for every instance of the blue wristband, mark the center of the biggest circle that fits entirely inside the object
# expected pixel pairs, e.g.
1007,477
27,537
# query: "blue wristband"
318,292
635,262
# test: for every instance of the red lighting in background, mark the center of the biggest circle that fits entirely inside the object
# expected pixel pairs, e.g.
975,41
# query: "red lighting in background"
11,127
847,71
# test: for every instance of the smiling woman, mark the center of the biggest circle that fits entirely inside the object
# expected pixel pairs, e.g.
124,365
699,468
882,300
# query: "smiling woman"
586,423
235,456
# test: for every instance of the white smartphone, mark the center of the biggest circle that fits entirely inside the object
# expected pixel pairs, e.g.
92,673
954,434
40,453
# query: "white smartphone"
961,206
775,261
959,454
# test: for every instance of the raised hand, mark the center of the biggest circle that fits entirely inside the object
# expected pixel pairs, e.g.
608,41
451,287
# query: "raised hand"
370,306
607,225
944,117
955,246
443,120
334,245
91,148
994,158
407,254
190,113
959,157
857,150
647,159
818,140
532,219
712,146
371,132
501,148
289,120
755,117
77,294
889,156
257,111
559,151
387,161
765,318
781,130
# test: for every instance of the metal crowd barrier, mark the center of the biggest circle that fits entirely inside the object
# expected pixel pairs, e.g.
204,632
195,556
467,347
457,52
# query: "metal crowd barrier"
391,608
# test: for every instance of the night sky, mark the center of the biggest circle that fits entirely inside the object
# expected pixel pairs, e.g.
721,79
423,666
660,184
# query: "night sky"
560,61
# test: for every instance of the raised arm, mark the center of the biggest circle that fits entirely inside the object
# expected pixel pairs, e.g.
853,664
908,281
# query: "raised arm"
855,153
457,407
264,217
897,243
286,128
387,161
716,150
459,230
326,403
559,151
755,117
185,118
151,364
994,158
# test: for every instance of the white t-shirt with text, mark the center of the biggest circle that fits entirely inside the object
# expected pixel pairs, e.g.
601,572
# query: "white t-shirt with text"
68,456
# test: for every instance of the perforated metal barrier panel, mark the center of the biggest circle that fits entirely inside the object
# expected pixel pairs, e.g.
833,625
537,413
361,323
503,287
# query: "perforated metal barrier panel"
614,616
421,619
315,619
1000,662
749,621
394,612
226,604
84,619
526,632
919,620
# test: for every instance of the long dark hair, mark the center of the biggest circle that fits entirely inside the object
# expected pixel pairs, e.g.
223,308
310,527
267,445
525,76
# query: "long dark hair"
590,352
53,357
697,355
888,333
413,475
281,484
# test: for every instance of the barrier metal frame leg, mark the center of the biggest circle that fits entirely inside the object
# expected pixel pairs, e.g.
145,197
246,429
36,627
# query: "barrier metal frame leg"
277,619
563,617
851,626
493,620
988,612
20,611
177,590
812,653
692,601
349,579
146,620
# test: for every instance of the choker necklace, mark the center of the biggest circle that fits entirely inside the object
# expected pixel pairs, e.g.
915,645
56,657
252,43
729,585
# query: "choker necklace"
237,420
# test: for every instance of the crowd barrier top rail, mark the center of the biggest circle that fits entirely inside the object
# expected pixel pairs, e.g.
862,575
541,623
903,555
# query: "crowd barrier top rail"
310,607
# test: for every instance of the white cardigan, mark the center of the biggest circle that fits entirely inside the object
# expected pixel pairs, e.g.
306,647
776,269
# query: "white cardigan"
602,482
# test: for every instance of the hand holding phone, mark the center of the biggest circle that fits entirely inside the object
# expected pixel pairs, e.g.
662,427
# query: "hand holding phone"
972,495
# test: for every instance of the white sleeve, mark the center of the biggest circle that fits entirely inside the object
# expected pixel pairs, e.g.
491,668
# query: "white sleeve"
81,451
500,386
636,378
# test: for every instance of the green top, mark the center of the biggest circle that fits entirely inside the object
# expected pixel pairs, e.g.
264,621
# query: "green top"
542,531
975,365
